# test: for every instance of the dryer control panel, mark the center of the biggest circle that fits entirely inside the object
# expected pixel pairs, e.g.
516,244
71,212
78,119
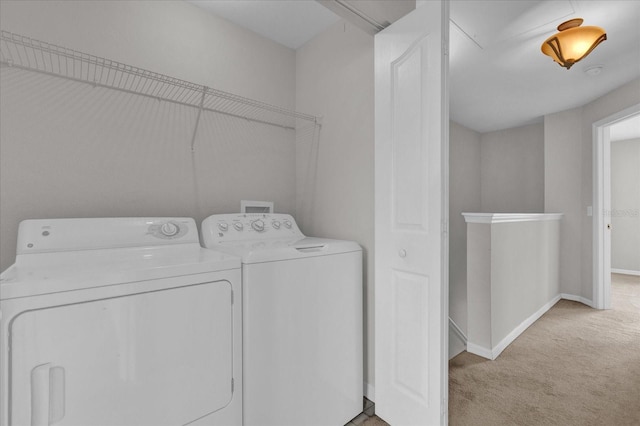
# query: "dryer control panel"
238,227
59,235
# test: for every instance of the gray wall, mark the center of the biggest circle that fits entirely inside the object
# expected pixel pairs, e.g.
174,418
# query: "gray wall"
611,103
464,196
512,175
514,274
71,150
561,182
569,181
524,272
562,192
625,205
335,78
496,172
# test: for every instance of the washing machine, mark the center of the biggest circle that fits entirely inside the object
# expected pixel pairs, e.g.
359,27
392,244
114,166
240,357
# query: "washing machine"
119,321
302,320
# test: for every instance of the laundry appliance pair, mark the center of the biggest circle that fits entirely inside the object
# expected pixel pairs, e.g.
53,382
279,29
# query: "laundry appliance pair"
119,321
129,321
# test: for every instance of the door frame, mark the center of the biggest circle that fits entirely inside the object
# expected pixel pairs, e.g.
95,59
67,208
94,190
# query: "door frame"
602,205
444,236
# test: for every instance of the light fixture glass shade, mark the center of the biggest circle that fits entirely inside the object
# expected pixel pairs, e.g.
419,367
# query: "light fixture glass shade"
572,42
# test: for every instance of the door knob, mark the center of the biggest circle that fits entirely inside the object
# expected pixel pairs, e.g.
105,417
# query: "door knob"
402,253
608,226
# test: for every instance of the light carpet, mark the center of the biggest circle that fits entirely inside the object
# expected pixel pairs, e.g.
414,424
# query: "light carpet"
574,366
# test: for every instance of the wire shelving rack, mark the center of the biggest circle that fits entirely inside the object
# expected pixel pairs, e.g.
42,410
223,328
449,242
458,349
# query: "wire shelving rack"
34,55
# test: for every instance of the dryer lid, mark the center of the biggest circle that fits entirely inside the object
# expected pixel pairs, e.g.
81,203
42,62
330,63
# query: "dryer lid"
54,255
58,272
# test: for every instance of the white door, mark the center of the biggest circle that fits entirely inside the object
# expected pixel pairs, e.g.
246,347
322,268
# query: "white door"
411,155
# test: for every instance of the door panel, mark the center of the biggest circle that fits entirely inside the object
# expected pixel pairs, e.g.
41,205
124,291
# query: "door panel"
410,167
411,212
410,299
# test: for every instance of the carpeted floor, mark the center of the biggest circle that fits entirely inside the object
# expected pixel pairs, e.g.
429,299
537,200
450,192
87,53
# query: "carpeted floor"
574,366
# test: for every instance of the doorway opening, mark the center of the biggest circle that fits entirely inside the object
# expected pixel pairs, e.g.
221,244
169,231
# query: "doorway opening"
602,211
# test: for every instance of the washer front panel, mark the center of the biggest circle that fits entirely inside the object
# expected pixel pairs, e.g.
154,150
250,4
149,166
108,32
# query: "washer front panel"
303,341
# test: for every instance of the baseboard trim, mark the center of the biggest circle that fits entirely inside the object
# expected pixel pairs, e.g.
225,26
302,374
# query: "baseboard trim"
369,392
480,351
497,350
575,298
457,339
625,271
457,330
493,353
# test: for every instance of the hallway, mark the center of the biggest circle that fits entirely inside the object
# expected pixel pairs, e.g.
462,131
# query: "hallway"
574,366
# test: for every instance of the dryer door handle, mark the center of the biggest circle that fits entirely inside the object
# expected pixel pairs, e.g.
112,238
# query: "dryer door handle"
47,395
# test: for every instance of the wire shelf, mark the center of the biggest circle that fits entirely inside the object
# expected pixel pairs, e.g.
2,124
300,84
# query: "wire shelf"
34,55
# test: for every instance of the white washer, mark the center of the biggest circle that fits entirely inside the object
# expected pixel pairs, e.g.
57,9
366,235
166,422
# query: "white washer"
121,321
302,320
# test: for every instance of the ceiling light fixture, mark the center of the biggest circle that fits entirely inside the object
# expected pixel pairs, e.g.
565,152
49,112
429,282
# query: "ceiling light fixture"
572,42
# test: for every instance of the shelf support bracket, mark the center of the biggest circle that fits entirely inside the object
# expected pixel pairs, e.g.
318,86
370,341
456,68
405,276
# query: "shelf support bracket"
200,108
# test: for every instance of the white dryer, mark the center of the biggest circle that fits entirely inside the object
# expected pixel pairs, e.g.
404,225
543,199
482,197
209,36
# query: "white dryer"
302,320
120,321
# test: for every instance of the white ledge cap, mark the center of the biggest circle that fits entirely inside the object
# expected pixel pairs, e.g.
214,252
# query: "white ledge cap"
509,217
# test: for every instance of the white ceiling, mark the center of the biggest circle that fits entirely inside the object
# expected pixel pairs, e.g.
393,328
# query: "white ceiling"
289,22
498,77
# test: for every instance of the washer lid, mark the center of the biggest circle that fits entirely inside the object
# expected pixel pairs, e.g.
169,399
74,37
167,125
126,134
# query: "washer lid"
287,249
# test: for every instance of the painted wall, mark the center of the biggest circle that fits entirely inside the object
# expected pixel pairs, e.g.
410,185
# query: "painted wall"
570,134
625,205
335,79
512,173
496,172
464,196
513,279
562,190
71,150
611,103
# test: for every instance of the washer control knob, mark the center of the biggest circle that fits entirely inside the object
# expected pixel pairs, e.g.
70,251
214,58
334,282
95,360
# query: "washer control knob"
275,224
223,226
169,229
287,223
238,226
258,225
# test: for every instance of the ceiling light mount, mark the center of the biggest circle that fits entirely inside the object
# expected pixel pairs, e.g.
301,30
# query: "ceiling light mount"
572,42
593,70
571,23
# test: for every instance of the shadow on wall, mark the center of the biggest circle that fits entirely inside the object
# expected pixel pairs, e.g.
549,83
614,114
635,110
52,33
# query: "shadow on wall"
69,149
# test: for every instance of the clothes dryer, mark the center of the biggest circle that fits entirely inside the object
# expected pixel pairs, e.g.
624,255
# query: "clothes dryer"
302,320
120,321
